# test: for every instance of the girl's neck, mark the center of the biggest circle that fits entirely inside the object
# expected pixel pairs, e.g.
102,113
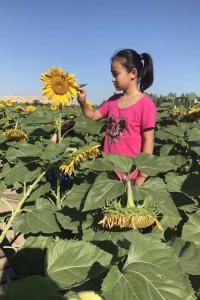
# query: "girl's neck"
132,92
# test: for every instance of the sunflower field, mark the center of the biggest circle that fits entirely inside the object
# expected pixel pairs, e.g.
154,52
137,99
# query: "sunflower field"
89,235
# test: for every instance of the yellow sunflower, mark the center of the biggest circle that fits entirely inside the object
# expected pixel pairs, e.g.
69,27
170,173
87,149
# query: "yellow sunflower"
30,108
15,134
1,106
54,107
82,153
8,102
60,87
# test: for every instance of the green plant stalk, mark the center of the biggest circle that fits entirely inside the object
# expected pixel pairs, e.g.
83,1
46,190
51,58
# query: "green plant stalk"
16,125
18,208
130,201
59,125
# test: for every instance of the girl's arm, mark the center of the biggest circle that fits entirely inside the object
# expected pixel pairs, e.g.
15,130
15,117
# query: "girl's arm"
89,113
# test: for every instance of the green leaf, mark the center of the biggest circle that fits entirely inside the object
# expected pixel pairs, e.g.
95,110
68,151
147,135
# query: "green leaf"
98,164
191,229
153,165
122,163
150,272
194,135
30,259
32,288
17,174
155,187
66,222
104,189
188,184
77,195
36,220
71,262
188,254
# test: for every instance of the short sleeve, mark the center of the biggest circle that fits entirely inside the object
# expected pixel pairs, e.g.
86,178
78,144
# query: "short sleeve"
104,108
148,115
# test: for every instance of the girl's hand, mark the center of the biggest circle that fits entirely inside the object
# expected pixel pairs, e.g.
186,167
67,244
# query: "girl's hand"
139,181
81,97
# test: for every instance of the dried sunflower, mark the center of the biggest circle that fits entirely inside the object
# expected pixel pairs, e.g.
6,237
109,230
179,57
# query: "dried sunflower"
175,111
123,217
60,87
194,112
82,153
15,134
19,108
131,216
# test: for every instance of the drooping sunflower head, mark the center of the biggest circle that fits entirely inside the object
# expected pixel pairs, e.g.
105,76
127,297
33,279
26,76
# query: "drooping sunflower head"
60,87
8,102
194,112
30,108
83,153
123,217
15,134
19,108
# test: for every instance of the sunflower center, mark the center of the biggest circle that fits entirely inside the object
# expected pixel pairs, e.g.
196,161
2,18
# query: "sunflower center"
59,85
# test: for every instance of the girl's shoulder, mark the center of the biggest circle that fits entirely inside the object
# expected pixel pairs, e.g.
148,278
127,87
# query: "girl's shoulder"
147,100
114,97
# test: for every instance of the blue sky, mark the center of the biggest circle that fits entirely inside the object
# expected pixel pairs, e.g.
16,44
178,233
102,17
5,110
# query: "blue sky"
82,35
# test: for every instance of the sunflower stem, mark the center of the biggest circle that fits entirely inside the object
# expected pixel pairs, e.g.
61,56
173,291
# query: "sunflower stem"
18,208
59,125
16,125
130,201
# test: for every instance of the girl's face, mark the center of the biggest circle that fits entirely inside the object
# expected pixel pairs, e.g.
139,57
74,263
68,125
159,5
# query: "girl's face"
121,78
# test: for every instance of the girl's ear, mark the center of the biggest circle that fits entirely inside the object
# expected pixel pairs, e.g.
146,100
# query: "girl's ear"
133,73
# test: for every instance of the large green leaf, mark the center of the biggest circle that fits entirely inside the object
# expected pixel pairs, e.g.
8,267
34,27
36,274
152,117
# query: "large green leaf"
194,135
30,259
150,272
72,262
155,187
188,184
33,288
104,189
77,195
17,174
122,163
36,220
153,165
191,229
188,254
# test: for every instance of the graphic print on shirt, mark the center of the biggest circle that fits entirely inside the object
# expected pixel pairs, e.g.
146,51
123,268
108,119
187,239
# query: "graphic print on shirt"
116,128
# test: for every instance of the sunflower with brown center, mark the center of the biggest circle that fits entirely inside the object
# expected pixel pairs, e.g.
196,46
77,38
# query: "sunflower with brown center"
60,87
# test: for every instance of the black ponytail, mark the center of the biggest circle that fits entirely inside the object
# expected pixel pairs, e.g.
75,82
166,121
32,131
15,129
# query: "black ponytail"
146,77
131,59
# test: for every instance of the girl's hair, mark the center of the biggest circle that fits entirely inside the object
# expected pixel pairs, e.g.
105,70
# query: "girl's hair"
131,59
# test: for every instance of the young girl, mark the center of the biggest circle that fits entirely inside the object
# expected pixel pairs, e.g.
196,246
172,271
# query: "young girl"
131,115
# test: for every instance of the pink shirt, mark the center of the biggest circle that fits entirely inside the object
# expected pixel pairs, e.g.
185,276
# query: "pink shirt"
125,126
